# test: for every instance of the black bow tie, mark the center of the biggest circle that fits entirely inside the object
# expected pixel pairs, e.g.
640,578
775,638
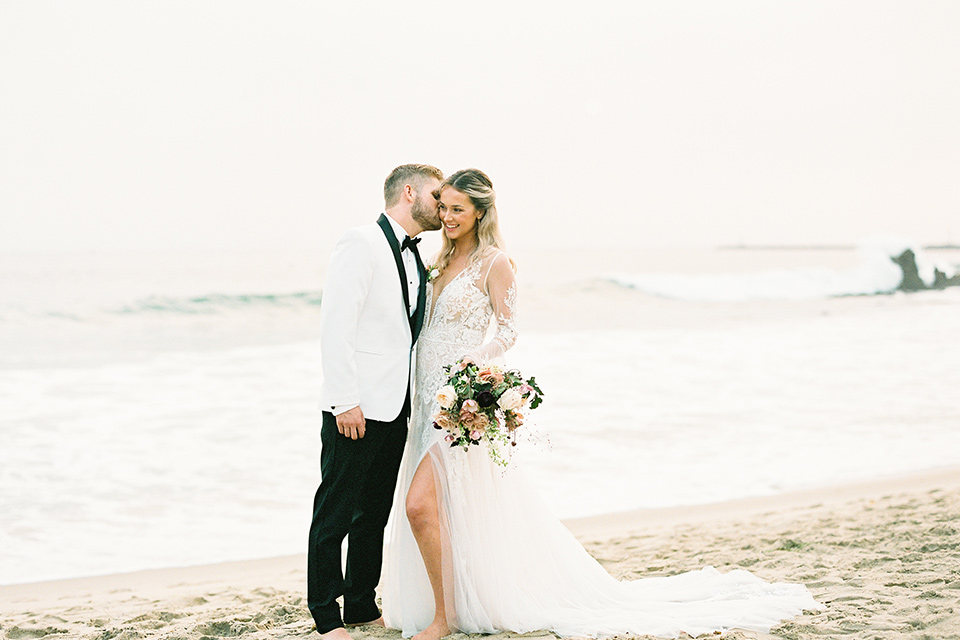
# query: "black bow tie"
409,243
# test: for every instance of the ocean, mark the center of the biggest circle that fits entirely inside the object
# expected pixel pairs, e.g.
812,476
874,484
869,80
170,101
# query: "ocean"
161,409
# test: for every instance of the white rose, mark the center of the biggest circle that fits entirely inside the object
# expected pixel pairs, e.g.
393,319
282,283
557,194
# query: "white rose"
511,399
446,396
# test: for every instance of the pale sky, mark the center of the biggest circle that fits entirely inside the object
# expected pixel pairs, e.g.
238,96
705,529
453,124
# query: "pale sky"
245,125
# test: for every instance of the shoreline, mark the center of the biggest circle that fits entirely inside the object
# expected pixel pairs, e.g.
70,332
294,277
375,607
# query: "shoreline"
585,528
882,555
604,525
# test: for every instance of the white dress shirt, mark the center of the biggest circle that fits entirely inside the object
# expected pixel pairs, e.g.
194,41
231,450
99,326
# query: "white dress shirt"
409,265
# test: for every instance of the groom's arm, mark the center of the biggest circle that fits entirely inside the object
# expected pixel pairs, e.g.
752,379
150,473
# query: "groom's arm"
347,285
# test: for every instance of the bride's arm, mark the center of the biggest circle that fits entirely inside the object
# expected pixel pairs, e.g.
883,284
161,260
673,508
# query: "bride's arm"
501,286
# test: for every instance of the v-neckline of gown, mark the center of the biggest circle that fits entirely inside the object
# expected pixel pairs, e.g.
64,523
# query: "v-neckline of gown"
436,297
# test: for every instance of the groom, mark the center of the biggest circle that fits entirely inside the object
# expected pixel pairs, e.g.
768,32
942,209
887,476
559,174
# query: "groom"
373,306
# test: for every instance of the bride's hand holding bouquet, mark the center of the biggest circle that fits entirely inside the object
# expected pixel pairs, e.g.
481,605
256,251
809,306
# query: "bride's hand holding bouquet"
484,403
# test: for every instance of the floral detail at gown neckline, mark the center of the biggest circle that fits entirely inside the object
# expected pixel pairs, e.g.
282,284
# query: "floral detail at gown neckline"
436,295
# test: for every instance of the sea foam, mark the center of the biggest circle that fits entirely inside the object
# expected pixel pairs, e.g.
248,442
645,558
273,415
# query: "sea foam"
876,273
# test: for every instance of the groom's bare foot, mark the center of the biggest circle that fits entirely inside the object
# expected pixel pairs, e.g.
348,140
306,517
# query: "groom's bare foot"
435,631
336,634
378,622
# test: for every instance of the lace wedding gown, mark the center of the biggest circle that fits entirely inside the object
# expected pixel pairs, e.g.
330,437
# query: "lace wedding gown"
508,563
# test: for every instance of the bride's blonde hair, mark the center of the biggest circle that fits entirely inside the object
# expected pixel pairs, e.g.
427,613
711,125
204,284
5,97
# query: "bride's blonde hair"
477,186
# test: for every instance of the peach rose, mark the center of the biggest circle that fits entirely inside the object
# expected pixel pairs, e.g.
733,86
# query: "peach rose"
511,399
446,396
481,422
490,375
467,417
445,421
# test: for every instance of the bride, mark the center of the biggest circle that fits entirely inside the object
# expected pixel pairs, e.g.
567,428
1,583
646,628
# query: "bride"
472,547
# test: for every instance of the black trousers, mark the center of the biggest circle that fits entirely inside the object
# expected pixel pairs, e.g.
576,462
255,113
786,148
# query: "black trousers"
358,478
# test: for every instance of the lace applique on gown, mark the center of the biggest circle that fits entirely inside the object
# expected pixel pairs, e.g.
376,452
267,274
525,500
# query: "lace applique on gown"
508,562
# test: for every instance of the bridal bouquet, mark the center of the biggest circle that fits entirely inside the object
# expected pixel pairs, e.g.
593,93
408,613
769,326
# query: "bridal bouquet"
484,404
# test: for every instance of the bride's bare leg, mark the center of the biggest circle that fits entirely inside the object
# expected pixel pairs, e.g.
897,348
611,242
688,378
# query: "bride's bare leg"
423,512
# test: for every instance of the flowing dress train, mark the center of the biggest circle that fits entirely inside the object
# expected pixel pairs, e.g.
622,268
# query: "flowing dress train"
508,563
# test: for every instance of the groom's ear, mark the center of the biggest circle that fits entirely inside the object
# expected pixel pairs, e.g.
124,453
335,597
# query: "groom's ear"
409,192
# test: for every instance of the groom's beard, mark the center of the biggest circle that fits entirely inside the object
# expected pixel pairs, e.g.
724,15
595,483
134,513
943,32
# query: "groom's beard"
427,217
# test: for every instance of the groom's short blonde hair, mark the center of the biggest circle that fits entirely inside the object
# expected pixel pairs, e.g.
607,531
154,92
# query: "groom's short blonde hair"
413,174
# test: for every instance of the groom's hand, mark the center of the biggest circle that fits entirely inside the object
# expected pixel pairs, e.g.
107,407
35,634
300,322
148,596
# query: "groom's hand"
352,424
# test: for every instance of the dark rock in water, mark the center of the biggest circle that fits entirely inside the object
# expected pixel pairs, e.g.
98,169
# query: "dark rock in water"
941,281
911,276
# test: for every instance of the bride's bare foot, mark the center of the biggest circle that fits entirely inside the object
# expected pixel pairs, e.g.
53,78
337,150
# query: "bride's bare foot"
435,631
336,634
378,622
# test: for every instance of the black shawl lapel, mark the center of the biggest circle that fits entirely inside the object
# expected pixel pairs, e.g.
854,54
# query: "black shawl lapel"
395,246
421,299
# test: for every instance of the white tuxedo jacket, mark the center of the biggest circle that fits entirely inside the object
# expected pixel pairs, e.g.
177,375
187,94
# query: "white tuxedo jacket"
365,337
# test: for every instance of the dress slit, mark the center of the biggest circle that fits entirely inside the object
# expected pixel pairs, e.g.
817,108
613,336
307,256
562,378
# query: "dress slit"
446,563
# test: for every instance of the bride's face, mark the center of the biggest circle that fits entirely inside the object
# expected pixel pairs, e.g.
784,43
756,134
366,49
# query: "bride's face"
457,213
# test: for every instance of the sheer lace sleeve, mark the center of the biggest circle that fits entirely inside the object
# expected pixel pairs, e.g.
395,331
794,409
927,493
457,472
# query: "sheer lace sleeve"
501,286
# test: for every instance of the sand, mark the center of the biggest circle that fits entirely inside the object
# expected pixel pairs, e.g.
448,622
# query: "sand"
883,556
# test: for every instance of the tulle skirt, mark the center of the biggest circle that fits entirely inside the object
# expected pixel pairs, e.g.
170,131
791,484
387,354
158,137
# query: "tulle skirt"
510,565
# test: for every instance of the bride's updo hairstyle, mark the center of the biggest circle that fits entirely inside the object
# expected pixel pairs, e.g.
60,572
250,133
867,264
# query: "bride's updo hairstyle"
477,186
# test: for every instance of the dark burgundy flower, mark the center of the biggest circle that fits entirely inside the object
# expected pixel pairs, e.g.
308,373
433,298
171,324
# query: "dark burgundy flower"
485,399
